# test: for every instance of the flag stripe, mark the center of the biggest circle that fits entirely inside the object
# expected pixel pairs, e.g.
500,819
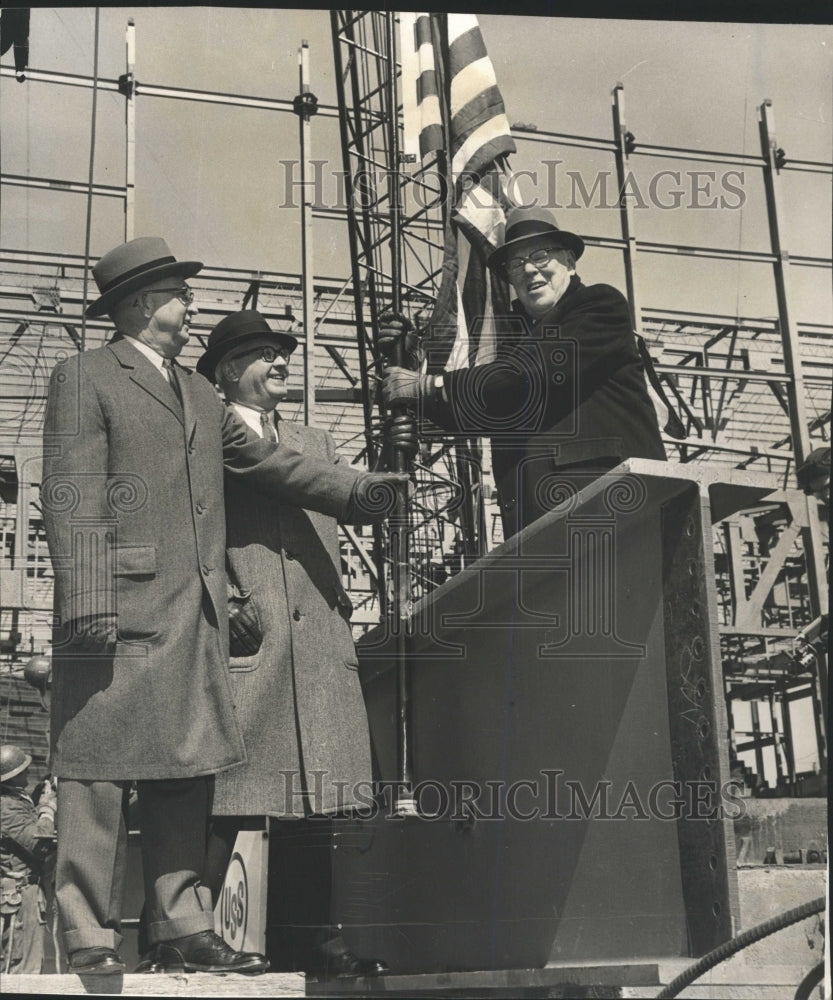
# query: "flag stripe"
470,81
481,147
466,48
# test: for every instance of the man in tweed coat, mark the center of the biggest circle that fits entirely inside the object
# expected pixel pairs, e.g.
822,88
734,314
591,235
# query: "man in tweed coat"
298,697
135,450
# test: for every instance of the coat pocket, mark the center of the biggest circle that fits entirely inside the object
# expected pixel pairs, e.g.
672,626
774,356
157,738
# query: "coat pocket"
134,569
135,560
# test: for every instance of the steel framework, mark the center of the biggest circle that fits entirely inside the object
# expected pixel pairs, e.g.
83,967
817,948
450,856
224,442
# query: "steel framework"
754,391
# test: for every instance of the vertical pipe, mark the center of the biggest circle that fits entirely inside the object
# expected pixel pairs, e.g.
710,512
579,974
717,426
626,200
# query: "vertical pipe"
90,182
799,424
306,242
130,134
399,528
626,197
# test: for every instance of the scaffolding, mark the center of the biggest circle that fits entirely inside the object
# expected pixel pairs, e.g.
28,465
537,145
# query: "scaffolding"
754,391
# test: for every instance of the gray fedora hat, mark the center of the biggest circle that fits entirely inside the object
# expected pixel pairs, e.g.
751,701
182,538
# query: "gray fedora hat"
234,331
133,265
522,223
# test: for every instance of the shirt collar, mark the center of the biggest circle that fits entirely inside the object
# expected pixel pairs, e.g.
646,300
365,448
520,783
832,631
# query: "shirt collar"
154,357
250,415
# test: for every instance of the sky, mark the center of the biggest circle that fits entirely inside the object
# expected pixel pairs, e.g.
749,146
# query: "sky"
212,181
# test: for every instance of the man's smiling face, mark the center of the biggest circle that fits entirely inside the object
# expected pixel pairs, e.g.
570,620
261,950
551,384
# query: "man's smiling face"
261,383
539,286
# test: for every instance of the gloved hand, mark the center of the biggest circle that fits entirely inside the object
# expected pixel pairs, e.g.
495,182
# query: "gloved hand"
374,496
245,632
95,634
48,801
402,386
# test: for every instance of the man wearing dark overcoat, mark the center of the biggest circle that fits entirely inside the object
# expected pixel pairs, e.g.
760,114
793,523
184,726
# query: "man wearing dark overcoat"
566,398
297,696
135,452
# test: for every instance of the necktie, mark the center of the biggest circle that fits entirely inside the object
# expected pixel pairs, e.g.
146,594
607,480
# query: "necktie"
170,371
268,426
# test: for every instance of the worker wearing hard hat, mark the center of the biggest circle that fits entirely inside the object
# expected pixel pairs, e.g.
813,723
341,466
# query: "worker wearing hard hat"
27,853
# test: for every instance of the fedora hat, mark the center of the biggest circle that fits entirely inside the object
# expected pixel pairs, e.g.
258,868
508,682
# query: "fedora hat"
234,331
522,223
132,266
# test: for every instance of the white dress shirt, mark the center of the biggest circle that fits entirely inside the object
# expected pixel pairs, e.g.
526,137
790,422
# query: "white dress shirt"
251,417
153,356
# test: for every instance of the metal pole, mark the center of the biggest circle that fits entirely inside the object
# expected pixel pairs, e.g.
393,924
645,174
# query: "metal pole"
88,231
623,141
399,528
307,103
811,531
130,128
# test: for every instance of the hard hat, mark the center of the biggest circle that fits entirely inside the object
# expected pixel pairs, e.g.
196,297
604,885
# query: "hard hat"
37,672
12,761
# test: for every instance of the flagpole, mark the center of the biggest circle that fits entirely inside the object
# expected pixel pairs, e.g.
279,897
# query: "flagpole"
399,527
306,105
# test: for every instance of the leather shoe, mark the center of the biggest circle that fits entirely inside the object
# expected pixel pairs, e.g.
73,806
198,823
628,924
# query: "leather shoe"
95,961
202,952
334,960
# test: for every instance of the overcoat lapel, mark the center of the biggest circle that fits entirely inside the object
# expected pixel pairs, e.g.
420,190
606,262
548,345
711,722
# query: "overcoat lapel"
288,434
146,376
189,408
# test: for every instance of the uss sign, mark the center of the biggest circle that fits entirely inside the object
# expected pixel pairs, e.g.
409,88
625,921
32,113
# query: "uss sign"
240,914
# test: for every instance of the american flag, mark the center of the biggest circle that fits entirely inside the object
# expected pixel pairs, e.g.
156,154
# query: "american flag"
452,105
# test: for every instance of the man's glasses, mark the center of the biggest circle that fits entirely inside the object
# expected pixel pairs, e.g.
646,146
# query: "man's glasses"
183,293
268,353
538,258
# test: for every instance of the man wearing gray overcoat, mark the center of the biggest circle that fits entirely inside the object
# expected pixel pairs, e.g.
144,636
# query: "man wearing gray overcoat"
298,696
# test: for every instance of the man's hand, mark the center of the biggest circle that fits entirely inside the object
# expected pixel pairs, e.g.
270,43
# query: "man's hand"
402,386
245,633
374,496
48,801
96,633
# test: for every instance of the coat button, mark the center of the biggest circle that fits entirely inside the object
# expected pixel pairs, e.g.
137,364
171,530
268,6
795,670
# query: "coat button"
206,570
199,508
289,555
296,614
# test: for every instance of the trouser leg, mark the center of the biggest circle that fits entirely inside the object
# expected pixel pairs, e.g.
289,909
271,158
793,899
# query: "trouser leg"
311,909
173,817
30,932
222,833
92,861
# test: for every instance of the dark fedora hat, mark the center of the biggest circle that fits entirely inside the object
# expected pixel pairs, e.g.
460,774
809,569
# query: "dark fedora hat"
235,331
134,265
522,223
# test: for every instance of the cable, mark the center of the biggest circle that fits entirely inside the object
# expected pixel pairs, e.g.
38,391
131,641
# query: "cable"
736,944
810,982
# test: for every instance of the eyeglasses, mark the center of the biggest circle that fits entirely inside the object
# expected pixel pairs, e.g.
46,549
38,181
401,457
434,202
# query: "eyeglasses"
184,294
268,353
538,258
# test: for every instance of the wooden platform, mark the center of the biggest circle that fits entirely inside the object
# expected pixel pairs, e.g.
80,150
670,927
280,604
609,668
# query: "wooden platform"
286,984
640,980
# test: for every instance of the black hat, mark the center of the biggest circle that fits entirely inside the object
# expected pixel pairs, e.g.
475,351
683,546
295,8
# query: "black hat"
234,331
522,223
133,265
